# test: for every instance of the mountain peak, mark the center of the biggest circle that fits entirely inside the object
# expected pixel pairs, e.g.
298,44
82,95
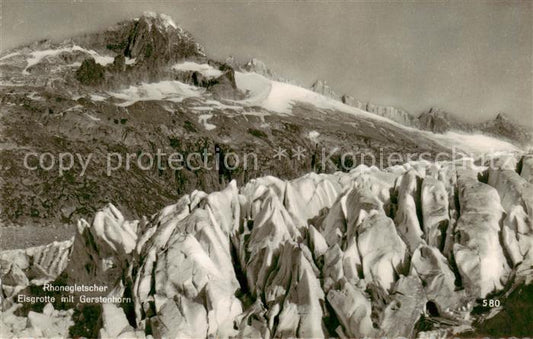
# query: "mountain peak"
437,111
156,36
257,66
502,117
255,61
161,20
322,87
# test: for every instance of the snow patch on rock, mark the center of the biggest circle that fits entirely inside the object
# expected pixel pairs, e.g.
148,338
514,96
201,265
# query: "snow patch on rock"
202,119
174,91
205,69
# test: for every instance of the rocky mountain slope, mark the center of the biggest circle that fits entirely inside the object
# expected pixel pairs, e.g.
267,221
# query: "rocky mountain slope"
413,250
146,84
436,120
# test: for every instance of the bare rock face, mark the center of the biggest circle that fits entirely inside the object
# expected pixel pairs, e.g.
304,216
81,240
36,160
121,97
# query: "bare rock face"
321,87
501,125
224,86
90,73
259,67
155,36
351,101
144,49
439,121
396,114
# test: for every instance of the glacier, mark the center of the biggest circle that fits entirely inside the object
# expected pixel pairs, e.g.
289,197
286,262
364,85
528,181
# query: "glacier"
366,253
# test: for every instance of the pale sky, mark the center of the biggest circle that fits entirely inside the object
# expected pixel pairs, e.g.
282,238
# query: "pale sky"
471,58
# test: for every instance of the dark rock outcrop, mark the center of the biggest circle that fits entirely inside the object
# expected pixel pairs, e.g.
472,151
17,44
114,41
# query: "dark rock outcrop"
90,73
438,121
153,42
322,87
224,86
393,113
351,101
505,127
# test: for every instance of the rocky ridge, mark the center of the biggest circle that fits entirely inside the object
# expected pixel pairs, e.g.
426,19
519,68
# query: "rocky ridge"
435,120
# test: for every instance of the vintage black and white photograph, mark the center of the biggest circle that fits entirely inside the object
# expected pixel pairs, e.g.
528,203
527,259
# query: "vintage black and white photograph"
266,169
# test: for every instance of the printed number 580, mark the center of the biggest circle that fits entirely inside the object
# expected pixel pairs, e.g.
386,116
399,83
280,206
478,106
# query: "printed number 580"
491,303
